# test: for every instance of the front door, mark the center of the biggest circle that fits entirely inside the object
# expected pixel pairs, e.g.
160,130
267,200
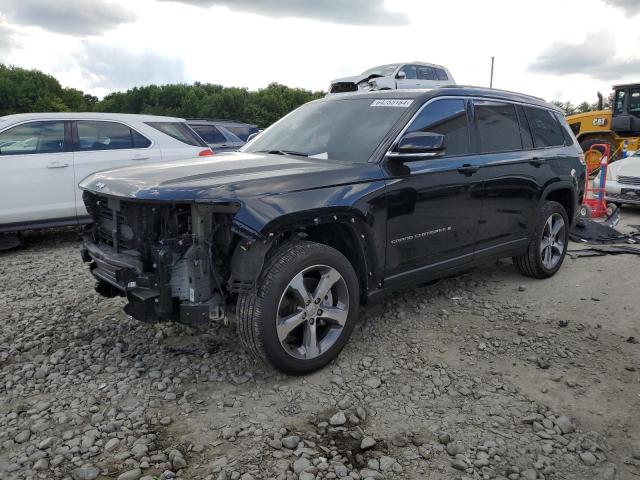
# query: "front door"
434,205
410,79
36,174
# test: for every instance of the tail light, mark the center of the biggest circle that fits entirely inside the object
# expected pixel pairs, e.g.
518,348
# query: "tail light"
205,153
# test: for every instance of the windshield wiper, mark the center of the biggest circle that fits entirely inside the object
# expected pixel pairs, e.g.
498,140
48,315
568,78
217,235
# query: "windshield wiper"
284,152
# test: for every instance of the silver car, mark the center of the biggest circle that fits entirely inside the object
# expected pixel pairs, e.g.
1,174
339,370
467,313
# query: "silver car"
395,76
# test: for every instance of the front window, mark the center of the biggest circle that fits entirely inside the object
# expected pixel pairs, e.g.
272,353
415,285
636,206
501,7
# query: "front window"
618,104
448,118
410,72
382,70
33,137
346,129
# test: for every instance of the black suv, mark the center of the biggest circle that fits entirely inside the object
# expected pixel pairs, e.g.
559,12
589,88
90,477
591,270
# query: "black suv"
343,200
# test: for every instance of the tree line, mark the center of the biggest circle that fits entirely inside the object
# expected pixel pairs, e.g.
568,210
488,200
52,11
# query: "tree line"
23,90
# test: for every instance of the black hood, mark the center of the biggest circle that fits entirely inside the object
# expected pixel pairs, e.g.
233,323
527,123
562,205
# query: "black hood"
226,177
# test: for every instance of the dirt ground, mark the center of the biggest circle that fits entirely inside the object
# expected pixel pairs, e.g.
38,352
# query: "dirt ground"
485,375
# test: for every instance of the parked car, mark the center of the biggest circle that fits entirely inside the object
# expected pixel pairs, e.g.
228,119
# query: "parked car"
623,181
223,135
343,200
43,157
395,76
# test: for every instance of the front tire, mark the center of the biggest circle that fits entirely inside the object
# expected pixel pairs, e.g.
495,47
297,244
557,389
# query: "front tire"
548,246
304,309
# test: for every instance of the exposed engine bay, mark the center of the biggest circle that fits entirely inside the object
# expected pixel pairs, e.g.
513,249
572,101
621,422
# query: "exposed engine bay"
170,260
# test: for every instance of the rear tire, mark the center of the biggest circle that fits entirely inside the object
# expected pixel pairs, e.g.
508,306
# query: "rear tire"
304,309
548,247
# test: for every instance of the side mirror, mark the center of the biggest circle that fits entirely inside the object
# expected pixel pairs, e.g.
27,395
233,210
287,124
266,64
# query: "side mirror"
252,136
401,75
417,146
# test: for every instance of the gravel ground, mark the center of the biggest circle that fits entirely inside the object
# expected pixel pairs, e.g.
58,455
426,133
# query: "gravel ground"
484,376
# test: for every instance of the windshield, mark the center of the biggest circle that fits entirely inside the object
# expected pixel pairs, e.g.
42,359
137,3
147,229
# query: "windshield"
345,129
382,70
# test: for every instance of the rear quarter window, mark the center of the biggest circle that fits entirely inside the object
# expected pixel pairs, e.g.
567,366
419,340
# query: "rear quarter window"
180,131
545,127
566,130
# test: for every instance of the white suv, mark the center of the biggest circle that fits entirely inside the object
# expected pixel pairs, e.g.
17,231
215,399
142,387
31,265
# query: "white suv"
395,76
43,157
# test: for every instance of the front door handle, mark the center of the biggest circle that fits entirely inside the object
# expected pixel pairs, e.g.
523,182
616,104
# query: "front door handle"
140,157
468,170
57,165
537,161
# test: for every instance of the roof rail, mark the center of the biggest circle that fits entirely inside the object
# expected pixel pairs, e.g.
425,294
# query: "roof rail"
217,120
494,90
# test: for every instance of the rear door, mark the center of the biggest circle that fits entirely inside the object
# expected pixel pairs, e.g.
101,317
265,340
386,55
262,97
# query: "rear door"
511,176
101,145
36,174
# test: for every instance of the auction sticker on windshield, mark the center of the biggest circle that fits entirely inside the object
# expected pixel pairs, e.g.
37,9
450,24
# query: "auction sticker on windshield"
392,102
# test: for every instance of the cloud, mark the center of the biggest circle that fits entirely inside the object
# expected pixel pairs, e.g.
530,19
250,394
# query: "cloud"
7,39
353,12
595,57
114,68
70,17
631,7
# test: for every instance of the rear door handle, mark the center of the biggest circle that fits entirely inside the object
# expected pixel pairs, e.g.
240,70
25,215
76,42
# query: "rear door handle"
140,157
468,170
537,161
57,165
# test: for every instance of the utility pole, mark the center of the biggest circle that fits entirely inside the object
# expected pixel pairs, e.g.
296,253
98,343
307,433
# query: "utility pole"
491,81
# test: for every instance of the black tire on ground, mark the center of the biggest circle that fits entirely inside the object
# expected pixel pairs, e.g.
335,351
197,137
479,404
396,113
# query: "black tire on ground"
531,263
257,312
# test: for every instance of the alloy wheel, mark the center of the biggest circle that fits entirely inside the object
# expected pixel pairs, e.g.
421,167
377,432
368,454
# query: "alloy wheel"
553,241
312,312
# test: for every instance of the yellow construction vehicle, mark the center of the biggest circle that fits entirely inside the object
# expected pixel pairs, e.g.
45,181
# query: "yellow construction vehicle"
619,127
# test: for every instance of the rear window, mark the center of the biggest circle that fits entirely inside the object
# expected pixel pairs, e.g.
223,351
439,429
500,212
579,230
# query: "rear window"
498,128
242,132
441,74
180,131
545,128
101,135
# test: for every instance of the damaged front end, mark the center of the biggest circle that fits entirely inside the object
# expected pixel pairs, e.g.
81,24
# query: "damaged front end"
170,260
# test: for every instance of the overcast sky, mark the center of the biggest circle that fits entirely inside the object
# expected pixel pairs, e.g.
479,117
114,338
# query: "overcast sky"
556,49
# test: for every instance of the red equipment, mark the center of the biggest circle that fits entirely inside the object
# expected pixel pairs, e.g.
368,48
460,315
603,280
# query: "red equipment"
594,203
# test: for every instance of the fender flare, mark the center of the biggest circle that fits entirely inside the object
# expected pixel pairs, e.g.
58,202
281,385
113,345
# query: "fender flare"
249,256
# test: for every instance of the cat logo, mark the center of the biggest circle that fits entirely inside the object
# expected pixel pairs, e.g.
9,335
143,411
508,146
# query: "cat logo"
599,122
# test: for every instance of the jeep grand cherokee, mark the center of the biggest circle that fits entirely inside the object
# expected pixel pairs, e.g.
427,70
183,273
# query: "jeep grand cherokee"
343,200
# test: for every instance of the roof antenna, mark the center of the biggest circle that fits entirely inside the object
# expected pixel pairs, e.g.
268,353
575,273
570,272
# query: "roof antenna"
491,81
